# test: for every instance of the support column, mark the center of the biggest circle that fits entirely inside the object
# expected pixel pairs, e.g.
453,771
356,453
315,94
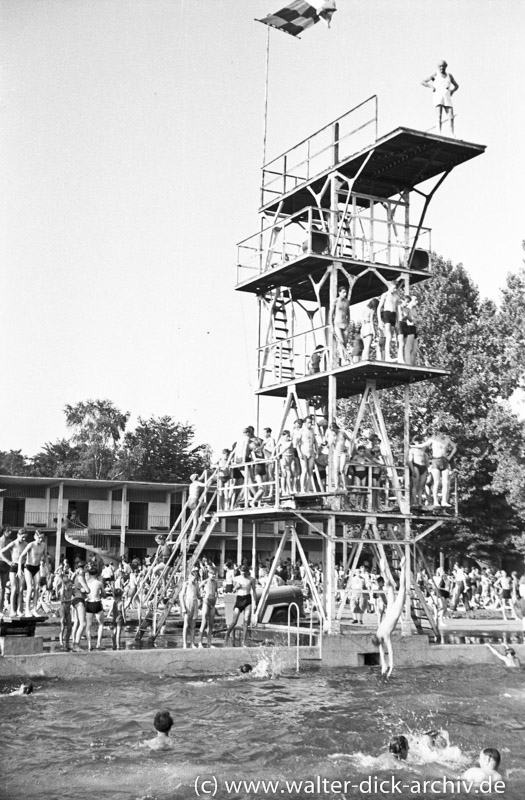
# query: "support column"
254,550
407,625
329,582
123,520
222,557
60,506
239,541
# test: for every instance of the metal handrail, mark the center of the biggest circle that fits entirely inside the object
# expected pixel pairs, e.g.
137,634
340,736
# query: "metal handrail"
294,605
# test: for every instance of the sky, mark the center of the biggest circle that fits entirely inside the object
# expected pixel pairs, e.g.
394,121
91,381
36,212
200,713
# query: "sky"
131,144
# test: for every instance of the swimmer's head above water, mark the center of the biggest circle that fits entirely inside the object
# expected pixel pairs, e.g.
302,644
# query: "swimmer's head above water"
244,668
398,746
163,722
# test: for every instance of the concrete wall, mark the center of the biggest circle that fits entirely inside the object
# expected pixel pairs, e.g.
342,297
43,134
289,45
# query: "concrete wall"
341,651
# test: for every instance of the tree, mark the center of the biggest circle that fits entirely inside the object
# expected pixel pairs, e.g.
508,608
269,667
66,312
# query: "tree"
475,342
160,449
60,459
13,463
98,426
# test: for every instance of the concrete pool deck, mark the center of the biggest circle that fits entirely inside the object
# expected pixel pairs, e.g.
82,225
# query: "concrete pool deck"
350,648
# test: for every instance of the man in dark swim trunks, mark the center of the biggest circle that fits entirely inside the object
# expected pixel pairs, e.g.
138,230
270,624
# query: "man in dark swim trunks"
246,601
94,606
418,462
387,314
33,553
443,450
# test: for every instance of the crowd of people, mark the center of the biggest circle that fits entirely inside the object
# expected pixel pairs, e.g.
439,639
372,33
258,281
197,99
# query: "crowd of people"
387,331
316,457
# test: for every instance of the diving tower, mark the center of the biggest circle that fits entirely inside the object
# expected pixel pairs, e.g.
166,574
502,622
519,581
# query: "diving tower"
344,207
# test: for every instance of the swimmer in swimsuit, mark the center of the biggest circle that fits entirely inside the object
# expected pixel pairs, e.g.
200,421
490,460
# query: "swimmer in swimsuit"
337,442
418,462
16,547
117,614
65,595
307,449
94,606
387,314
341,323
443,85
285,451
33,552
163,724
245,601
210,588
394,609
443,450
189,606
509,658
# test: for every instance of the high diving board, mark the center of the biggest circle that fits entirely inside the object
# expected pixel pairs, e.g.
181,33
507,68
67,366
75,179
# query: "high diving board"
397,162
352,379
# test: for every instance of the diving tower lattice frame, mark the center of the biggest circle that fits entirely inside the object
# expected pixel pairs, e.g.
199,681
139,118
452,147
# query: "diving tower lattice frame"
344,206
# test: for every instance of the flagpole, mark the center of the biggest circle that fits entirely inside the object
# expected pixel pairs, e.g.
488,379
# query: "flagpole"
265,133
266,94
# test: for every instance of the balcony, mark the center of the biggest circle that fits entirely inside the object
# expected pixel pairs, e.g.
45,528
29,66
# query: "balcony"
34,520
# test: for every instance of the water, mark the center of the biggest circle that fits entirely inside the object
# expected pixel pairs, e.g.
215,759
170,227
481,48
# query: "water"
79,739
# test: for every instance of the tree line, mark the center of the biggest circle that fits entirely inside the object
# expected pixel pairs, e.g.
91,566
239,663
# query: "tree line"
158,450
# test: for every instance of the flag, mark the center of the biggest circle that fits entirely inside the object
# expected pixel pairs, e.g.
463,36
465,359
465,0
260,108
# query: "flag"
300,15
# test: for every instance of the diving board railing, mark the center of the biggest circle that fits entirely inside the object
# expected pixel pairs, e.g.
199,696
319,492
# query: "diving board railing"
321,151
368,230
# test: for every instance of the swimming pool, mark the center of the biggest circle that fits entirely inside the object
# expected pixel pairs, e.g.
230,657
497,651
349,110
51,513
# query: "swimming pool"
78,739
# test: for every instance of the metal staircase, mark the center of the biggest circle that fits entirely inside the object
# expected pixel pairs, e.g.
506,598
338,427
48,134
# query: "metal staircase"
94,541
160,585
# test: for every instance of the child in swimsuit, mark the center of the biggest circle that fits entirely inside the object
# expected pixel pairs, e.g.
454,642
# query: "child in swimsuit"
118,618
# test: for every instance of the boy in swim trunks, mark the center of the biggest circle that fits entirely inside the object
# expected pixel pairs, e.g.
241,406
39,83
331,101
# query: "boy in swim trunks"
118,618
210,587
443,450
65,595
163,724
246,601
94,606
489,761
418,462
387,314
510,659
33,553
189,606
341,323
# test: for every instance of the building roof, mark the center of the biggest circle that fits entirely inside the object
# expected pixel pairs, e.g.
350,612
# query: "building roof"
87,483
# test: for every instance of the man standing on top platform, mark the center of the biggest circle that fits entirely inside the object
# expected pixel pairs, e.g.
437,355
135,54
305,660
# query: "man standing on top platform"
443,85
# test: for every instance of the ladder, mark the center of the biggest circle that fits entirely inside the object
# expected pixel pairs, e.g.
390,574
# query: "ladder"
283,360
421,613
172,585
168,577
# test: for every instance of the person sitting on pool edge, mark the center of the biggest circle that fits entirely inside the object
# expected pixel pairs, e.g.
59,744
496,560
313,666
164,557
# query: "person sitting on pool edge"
510,659
399,748
162,723
489,761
